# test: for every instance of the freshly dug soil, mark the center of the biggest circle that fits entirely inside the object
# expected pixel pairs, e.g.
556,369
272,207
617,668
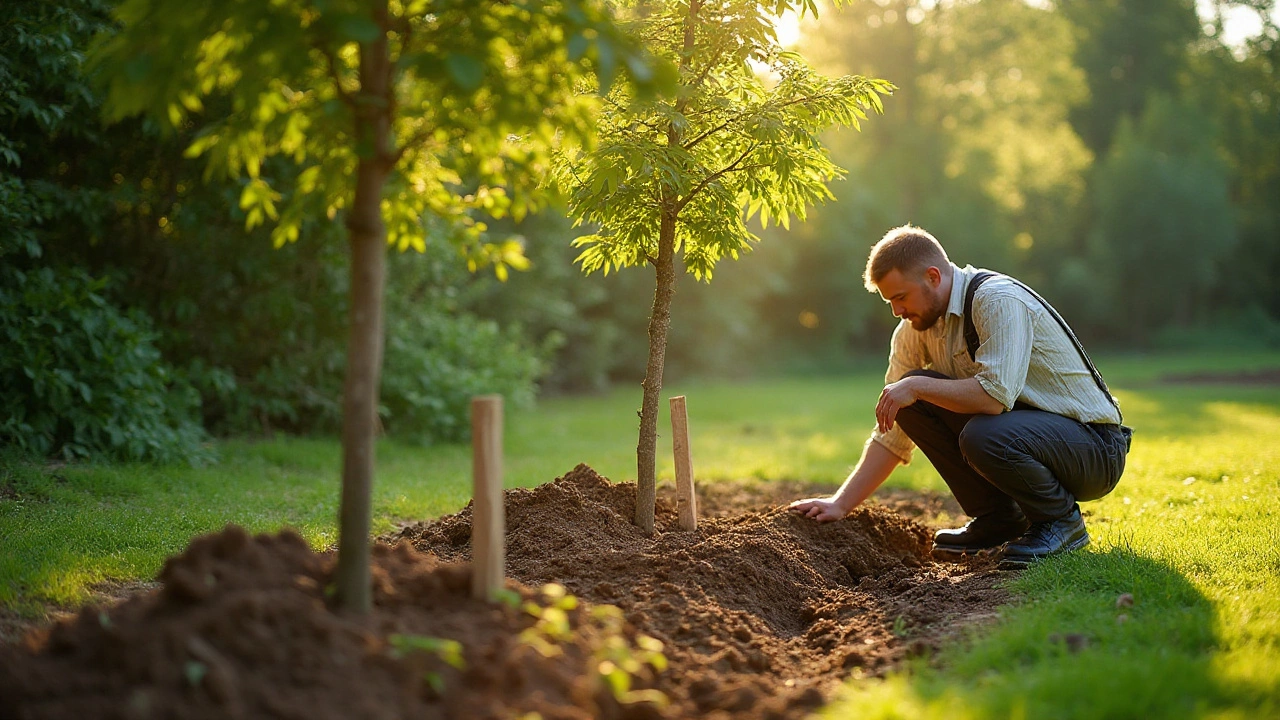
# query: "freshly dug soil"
761,614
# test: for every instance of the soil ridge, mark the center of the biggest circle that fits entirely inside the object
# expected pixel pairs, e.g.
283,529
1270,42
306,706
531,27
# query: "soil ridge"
761,614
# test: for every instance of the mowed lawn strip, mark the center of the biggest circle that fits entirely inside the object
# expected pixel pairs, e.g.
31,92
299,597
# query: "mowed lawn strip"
1192,533
64,529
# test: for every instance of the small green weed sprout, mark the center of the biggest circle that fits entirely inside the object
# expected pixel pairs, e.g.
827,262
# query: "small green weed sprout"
507,597
450,651
615,660
900,626
194,672
552,626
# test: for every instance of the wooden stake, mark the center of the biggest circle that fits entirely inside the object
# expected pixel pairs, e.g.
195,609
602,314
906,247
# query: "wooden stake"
488,521
686,498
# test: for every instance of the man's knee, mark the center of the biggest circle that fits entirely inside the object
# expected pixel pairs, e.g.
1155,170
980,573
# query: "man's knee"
926,373
982,440
911,416
909,419
921,415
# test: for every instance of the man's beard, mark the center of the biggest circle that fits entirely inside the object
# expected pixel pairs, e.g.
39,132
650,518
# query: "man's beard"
920,323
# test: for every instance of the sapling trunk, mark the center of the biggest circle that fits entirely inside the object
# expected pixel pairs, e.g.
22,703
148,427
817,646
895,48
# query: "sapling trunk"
368,241
659,324
359,405
660,321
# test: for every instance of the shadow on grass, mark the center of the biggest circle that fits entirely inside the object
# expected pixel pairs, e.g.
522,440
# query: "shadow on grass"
1072,648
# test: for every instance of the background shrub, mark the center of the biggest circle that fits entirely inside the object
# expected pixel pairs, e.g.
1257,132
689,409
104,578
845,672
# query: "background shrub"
435,364
79,377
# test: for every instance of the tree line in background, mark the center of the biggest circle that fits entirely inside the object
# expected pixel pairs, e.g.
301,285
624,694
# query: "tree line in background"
1117,155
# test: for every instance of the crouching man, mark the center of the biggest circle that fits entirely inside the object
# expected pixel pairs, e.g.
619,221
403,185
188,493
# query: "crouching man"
989,381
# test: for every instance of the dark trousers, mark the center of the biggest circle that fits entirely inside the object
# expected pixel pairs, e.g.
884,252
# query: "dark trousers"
1025,460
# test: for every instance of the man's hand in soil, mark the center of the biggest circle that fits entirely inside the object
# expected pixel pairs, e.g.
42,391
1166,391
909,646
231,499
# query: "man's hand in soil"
873,467
820,509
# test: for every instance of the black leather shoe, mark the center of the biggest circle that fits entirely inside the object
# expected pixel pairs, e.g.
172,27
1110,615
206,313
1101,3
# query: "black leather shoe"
1043,539
983,533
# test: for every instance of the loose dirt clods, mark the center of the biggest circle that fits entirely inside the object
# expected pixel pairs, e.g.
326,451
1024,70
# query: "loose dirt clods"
761,614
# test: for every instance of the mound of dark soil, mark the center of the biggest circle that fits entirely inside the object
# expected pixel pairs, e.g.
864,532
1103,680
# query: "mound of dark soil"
240,629
761,614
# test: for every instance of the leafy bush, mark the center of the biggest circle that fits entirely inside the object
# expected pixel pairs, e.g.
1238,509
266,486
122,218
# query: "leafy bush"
261,334
260,331
80,378
437,359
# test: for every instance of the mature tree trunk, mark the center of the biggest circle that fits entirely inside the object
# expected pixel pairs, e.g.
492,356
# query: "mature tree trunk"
659,324
368,239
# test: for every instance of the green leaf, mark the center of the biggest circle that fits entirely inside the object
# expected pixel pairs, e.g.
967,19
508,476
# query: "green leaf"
641,69
450,651
606,64
510,598
466,71
618,680
578,45
356,27
194,672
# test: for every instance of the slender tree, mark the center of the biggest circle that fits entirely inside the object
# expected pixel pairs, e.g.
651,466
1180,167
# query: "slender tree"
682,177
391,111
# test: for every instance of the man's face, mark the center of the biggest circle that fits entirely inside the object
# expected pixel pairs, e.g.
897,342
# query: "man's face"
919,300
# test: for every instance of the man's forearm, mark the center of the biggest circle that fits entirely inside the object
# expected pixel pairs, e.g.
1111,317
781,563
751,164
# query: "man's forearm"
966,397
872,470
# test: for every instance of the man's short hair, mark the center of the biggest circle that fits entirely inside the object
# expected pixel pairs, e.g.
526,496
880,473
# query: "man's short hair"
907,249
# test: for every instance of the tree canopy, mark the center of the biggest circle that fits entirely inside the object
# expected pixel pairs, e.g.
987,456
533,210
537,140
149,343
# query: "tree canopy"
682,176
743,133
477,94
402,116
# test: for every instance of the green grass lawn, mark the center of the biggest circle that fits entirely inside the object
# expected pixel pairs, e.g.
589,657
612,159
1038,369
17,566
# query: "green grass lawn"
1192,532
80,524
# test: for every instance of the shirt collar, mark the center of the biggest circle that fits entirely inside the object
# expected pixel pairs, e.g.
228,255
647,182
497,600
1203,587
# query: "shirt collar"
959,283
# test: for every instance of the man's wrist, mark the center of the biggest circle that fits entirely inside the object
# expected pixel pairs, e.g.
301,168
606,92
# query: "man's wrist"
918,387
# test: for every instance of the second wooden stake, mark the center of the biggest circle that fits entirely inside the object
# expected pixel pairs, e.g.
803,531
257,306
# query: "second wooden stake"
686,498
488,517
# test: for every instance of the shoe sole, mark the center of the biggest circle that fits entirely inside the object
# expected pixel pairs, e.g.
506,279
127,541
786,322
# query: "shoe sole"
1019,562
959,554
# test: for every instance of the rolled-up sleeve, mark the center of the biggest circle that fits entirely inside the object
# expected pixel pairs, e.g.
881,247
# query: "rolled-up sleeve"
906,353
1005,327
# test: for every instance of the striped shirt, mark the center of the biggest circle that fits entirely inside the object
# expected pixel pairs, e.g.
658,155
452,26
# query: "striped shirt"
1023,356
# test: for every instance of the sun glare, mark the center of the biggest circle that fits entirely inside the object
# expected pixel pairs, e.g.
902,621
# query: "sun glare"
788,29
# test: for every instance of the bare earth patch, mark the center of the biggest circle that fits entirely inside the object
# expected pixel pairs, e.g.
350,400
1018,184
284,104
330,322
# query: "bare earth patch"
14,625
761,614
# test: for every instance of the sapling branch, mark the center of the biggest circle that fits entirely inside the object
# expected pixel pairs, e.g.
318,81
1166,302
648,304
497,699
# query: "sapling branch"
414,140
712,62
331,64
794,101
686,54
732,167
694,143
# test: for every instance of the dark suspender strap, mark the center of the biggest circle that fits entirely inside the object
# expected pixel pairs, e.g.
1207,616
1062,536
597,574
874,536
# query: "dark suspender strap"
971,332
